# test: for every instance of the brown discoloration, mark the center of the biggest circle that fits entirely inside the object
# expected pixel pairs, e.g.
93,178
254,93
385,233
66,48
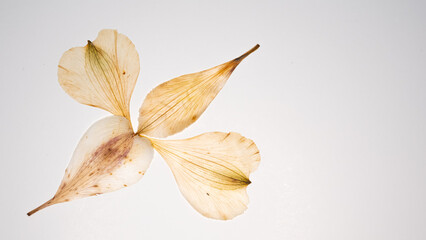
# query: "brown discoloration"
103,161
124,185
208,194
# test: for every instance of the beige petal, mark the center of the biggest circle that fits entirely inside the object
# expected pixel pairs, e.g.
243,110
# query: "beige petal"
108,157
212,171
102,74
174,105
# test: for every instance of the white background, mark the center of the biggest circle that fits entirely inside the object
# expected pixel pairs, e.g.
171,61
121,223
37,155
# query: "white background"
334,98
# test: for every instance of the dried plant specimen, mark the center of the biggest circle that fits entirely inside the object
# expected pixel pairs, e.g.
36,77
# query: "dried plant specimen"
212,170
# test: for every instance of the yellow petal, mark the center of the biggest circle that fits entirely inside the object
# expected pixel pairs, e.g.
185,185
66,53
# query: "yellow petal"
212,171
108,157
102,74
174,105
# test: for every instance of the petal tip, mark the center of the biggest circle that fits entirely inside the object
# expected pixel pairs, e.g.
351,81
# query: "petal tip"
44,205
240,58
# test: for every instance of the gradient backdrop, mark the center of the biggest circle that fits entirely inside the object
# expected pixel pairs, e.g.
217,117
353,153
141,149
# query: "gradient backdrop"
334,98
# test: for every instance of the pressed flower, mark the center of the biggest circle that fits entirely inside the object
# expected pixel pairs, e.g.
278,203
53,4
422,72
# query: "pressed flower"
212,170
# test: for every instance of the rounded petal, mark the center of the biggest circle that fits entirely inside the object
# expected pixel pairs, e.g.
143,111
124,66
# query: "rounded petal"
212,171
102,74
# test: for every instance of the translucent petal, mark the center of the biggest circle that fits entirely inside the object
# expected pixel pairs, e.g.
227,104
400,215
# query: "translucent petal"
212,171
102,74
174,105
108,157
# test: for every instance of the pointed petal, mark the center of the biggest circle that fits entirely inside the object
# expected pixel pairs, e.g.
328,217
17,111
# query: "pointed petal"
102,74
174,105
108,157
212,171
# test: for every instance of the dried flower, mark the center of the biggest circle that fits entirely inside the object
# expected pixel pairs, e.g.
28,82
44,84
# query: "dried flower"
212,170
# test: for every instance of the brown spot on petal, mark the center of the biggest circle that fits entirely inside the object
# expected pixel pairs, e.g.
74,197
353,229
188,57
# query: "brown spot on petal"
104,160
227,135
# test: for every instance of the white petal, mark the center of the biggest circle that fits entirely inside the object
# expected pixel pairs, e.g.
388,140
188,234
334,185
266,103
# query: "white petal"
108,157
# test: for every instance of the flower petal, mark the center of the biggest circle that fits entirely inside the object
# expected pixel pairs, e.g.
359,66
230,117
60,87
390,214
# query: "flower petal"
212,171
174,105
102,74
108,157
